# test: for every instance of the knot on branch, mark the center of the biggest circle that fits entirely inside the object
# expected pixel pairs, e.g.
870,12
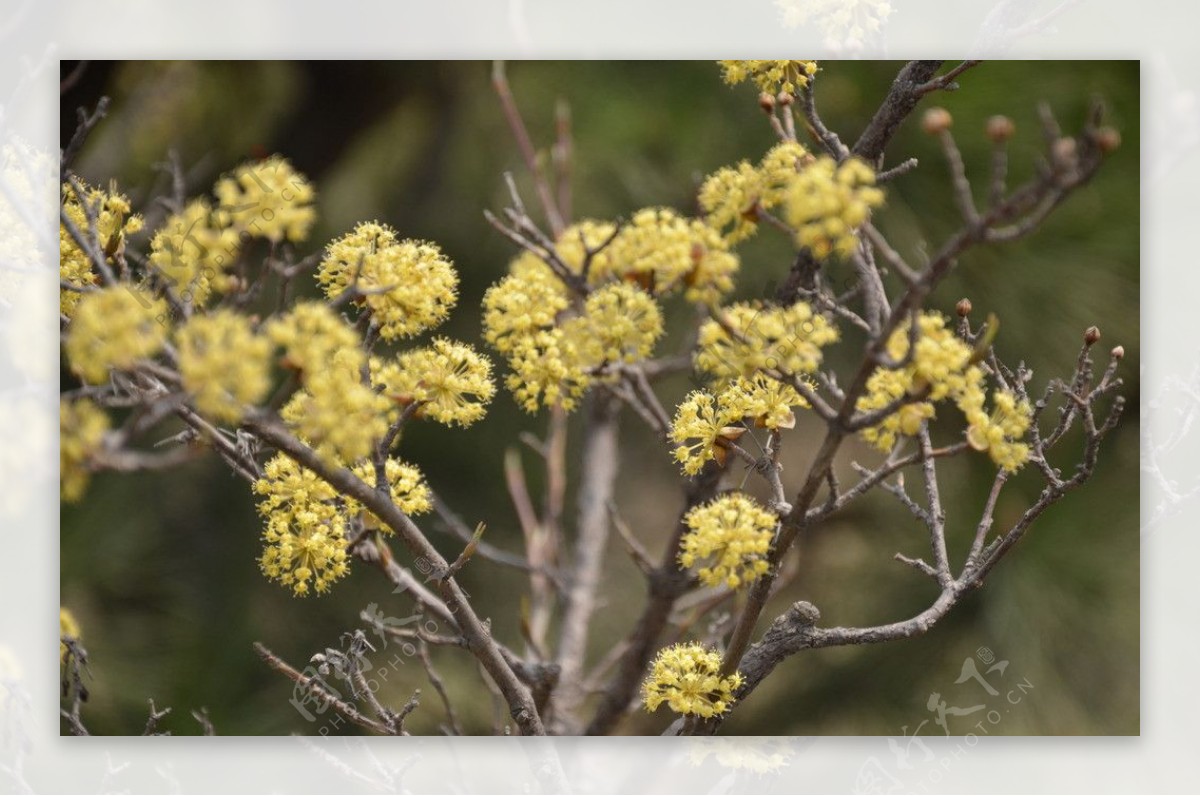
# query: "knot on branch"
801,616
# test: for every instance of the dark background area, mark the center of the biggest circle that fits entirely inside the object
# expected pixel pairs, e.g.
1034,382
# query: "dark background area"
160,568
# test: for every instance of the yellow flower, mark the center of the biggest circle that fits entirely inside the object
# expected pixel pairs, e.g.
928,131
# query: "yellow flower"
703,427
336,413
82,426
788,340
1000,432
827,202
193,251
115,327
663,251
409,285
310,334
115,222
224,364
766,400
268,199
520,304
576,241
408,490
620,323
728,541
940,367
770,76
732,196
305,532
69,627
688,678
451,380
547,370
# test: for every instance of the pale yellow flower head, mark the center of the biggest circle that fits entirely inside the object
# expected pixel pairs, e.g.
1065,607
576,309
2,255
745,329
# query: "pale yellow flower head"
772,77
225,365
826,202
452,382
193,251
410,286
687,677
82,426
114,328
784,339
727,541
268,199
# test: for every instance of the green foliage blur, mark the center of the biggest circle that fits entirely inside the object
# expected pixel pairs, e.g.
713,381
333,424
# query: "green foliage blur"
160,568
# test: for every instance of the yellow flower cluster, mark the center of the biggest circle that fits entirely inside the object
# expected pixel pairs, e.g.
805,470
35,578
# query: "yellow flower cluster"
452,382
765,400
998,433
704,426
305,532
82,426
407,488
941,368
770,76
224,364
728,541
67,626
521,304
827,202
662,251
688,678
620,323
784,339
551,356
114,327
268,199
336,412
193,251
409,285
732,197
114,223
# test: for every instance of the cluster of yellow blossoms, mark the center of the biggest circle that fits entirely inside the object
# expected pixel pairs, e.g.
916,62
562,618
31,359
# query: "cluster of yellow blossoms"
224,365
268,199
688,678
752,337
82,426
728,541
451,382
68,626
557,342
114,222
732,197
194,250
770,76
114,328
826,202
943,367
409,285
706,424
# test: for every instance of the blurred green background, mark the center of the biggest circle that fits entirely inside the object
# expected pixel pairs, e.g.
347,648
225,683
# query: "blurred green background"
160,568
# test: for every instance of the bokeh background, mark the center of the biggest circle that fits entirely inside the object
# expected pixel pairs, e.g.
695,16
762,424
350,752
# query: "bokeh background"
160,568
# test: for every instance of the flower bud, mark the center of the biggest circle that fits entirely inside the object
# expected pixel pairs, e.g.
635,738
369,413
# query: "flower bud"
785,99
1091,335
1118,352
963,307
936,120
1063,151
766,102
1107,139
1000,128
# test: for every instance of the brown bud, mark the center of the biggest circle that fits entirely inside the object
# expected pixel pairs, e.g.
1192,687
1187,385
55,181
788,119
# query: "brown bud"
1091,335
963,307
936,120
1107,139
1000,129
785,99
766,102
1118,352
1064,151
